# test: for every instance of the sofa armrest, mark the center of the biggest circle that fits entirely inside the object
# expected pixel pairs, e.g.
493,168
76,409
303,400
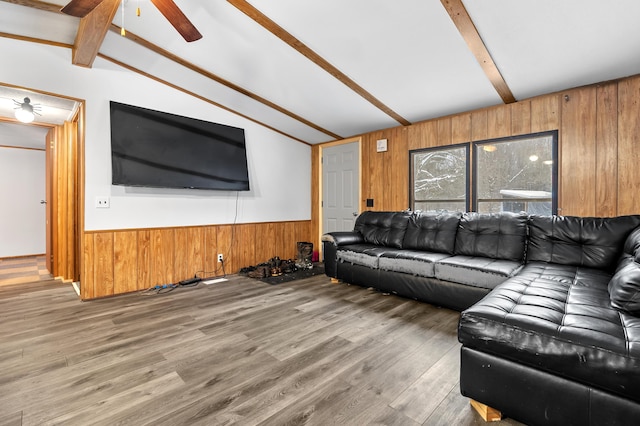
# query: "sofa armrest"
330,244
343,238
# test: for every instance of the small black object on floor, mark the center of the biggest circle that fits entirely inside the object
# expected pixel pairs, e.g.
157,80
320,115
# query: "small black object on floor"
318,269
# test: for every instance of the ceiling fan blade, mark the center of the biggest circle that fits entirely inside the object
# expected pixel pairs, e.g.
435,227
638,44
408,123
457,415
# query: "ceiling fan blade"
178,19
80,8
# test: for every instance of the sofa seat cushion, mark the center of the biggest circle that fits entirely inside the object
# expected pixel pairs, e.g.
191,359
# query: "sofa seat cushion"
361,254
559,319
476,271
414,262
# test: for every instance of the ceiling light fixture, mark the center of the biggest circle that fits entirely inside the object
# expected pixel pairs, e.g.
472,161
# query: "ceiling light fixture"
533,158
26,111
489,148
123,31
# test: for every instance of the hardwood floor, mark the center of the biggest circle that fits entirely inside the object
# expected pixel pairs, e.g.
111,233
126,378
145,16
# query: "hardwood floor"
237,352
18,270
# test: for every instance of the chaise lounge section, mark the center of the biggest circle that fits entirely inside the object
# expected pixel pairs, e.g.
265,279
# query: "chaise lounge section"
559,343
550,322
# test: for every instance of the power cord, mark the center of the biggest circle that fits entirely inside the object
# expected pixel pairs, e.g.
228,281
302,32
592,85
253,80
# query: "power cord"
233,233
212,274
160,289
167,288
192,282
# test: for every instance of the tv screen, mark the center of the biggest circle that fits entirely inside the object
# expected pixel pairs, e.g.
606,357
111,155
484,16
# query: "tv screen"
157,149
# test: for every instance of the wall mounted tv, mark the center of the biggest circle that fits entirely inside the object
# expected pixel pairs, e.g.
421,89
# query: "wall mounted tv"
157,149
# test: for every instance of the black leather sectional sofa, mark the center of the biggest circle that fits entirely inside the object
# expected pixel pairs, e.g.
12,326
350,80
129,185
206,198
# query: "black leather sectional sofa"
550,322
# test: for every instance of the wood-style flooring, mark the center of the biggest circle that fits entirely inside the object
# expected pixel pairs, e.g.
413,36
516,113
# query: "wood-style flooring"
238,352
18,270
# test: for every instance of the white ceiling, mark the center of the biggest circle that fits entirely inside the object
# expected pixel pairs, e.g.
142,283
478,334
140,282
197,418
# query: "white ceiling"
407,54
49,109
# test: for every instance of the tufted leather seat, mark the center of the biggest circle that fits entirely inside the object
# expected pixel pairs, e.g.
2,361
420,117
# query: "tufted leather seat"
558,318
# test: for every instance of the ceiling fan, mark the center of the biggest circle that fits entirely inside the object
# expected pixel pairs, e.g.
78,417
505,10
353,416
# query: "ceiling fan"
81,8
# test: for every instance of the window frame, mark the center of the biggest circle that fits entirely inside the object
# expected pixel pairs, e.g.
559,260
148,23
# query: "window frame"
554,167
467,148
471,167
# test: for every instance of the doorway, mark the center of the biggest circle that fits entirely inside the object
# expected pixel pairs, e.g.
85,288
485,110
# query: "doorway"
61,123
23,190
340,186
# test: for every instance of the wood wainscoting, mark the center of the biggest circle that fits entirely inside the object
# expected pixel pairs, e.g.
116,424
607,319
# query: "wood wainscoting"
123,261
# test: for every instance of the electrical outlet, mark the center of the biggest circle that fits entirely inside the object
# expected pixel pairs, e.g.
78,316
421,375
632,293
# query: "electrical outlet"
220,257
102,202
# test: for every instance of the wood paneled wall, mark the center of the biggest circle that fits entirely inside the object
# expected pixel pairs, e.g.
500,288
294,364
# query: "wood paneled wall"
123,261
315,224
599,133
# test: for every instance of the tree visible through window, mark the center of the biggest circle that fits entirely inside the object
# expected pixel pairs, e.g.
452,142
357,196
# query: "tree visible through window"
440,178
509,174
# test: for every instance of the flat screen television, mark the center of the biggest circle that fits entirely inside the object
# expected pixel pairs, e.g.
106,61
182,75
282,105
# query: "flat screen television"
157,149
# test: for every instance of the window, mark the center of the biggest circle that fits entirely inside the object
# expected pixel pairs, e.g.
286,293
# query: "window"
509,174
516,174
440,177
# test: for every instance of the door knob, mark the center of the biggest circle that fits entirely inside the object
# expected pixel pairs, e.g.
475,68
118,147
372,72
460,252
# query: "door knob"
355,213
43,202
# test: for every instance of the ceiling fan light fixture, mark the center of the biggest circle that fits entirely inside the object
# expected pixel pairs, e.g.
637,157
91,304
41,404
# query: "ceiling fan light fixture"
123,32
168,8
24,112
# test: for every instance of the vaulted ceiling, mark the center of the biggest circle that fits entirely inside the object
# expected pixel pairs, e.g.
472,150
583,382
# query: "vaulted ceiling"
325,70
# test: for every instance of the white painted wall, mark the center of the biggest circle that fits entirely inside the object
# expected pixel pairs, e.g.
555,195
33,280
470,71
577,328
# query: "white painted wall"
280,168
22,217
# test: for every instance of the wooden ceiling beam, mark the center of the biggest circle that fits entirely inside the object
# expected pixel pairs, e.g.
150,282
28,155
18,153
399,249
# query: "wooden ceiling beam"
469,32
54,8
303,49
35,40
36,4
196,95
91,33
177,59
91,30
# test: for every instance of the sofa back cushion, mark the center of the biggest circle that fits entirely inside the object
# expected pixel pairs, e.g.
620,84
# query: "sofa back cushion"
580,241
431,231
495,235
624,287
383,228
630,249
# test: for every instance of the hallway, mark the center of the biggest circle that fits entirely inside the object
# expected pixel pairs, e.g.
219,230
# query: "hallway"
19,270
